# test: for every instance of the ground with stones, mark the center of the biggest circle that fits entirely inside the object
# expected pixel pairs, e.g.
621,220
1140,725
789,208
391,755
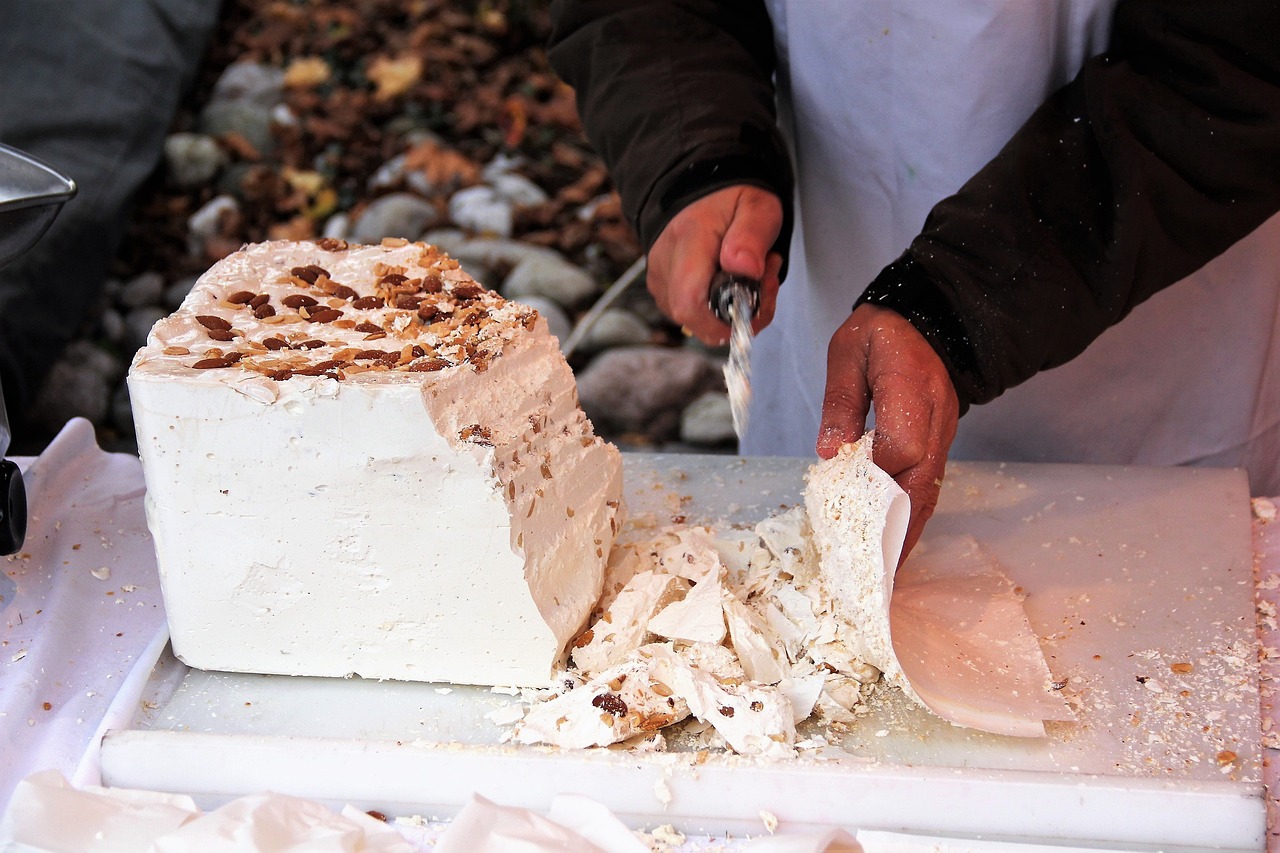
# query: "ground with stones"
380,118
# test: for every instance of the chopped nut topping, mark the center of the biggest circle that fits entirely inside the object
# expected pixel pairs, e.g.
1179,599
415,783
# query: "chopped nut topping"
331,244
241,297
611,704
468,291
368,303
214,323
324,315
259,300
584,638
476,434
264,311
726,710
310,273
214,363
298,300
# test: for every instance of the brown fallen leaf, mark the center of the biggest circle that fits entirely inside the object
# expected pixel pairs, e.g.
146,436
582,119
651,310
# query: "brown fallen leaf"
306,72
393,77
444,168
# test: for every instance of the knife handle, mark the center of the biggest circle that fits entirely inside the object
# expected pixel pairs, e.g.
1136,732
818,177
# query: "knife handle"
720,295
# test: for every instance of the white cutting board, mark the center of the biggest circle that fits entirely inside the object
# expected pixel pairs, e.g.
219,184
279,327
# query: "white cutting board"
1128,571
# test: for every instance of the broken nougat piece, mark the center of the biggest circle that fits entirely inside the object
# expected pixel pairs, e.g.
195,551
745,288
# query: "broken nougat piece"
360,461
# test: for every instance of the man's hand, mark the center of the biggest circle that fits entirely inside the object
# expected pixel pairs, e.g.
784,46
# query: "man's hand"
878,356
731,229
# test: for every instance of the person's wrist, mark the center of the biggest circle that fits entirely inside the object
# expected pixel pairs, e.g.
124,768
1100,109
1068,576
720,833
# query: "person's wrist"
908,290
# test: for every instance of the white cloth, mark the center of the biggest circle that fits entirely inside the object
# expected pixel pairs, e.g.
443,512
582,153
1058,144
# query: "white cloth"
81,610
892,106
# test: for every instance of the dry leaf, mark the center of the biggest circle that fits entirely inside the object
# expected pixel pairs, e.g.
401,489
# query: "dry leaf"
443,168
306,72
393,77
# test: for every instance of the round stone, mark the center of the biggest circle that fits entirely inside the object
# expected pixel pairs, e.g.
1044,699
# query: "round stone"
616,327
643,390
394,215
192,159
144,289
708,421
482,210
551,276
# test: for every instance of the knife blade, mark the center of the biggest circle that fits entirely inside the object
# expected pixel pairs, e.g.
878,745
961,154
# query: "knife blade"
735,300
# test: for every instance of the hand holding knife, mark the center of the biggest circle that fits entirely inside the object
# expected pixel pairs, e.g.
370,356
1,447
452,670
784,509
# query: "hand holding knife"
736,300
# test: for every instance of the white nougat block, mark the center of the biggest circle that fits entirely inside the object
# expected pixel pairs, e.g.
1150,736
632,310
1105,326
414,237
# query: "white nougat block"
429,504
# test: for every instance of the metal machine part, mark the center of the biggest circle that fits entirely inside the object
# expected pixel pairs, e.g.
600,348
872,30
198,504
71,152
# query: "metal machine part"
31,194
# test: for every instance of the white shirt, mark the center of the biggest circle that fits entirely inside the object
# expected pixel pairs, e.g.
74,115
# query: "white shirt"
890,106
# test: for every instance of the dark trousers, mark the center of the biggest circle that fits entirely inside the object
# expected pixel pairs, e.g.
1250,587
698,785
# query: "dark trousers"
90,87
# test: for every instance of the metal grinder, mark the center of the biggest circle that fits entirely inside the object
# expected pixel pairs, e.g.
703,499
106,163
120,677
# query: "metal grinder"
31,194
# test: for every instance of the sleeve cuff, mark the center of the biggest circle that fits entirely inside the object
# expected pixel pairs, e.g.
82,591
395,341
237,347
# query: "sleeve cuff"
703,177
905,287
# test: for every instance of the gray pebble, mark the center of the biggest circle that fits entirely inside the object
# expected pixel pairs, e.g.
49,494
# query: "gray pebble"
448,240
111,325
388,175
493,252
250,82
501,164
203,224
644,389
87,356
78,385
337,226
519,190
488,259
69,392
708,421
482,210
232,180
616,327
553,277
394,215
192,159
144,289
251,121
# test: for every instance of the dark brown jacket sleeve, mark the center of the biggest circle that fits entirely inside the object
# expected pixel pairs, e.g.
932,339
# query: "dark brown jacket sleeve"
1160,155
677,97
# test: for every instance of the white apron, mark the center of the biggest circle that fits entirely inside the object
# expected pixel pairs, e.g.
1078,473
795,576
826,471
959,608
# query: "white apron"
890,106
